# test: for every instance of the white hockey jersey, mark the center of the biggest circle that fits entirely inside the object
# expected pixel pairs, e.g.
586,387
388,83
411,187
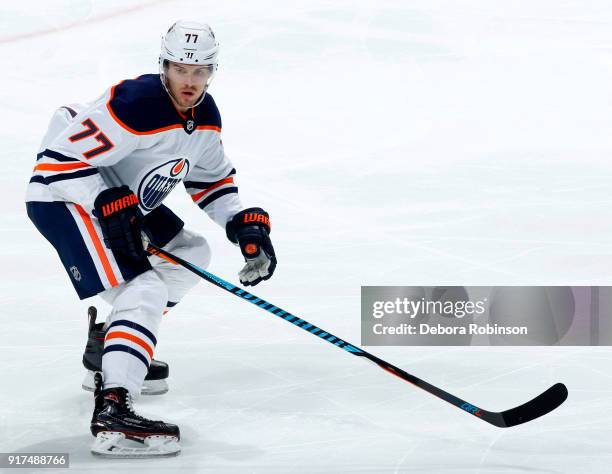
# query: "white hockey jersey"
134,135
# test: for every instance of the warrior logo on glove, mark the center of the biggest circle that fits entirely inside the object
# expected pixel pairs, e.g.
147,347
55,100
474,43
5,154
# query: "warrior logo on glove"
118,204
250,229
257,217
120,221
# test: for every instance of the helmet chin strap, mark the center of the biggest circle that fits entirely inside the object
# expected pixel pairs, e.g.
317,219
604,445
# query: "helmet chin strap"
163,79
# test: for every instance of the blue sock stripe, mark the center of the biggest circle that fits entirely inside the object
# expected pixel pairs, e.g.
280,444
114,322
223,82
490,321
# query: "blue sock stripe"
307,325
239,292
138,327
323,334
129,350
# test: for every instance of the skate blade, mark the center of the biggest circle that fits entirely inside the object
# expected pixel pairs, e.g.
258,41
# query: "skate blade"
149,387
113,444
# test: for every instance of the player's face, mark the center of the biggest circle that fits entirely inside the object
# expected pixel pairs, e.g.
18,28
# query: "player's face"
187,82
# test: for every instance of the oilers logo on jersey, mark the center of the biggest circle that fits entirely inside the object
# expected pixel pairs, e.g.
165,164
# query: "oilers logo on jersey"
160,181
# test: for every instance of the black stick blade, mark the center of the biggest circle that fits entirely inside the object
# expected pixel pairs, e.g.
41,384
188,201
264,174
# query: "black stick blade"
539,406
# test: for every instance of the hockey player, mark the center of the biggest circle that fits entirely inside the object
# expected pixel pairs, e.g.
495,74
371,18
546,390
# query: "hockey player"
96,195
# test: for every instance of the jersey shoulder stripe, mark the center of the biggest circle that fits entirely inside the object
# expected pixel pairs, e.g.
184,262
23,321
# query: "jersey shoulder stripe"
142,107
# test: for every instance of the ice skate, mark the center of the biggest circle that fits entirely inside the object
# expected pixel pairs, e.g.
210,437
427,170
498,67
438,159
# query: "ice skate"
121,433
155,381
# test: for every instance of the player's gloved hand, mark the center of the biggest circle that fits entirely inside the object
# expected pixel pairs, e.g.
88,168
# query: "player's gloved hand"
250,229
121,222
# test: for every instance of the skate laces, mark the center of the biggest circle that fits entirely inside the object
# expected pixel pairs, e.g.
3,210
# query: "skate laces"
123,399
129,405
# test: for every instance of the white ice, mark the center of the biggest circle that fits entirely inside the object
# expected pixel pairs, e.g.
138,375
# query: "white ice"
394,143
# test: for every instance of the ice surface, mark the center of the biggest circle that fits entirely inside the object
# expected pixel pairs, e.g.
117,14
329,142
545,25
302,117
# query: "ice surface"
423,142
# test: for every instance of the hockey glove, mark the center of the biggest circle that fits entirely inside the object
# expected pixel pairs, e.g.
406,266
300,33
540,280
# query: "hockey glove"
250,229
121,222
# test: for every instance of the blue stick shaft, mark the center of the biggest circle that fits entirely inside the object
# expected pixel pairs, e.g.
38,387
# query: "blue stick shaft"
540,405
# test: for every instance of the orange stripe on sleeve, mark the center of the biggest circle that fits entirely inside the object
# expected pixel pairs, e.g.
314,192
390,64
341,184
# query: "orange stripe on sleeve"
60,166
130,337
98,245
201,194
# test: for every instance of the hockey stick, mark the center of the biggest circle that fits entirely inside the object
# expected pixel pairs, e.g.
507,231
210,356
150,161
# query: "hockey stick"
539,406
